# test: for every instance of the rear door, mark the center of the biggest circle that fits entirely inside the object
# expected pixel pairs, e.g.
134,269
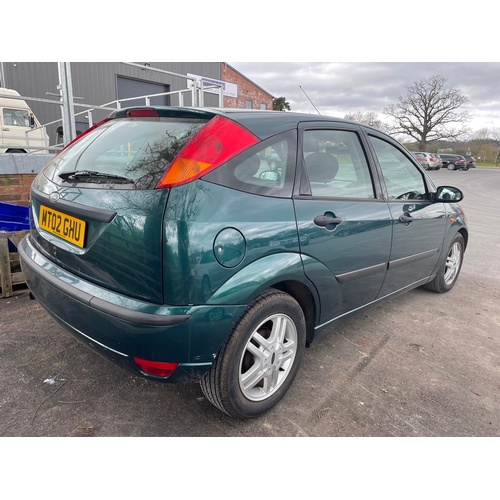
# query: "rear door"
344,224
418,224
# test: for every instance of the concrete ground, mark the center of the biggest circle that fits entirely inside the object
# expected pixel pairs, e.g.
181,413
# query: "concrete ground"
423,364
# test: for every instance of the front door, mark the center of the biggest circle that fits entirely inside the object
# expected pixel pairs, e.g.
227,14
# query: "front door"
418,224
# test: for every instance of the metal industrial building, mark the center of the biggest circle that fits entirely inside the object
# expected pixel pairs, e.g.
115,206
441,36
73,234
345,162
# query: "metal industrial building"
100,83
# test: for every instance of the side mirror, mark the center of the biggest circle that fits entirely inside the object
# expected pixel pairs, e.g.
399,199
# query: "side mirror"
270,175
32,121
448,194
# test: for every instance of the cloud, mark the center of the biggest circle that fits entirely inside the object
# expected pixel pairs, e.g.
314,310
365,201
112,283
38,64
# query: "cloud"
340,88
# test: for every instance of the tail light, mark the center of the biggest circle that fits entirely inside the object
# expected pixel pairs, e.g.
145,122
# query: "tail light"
156,368
218,141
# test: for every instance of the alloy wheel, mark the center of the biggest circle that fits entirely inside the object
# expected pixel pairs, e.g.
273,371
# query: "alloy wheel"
268,357
452,265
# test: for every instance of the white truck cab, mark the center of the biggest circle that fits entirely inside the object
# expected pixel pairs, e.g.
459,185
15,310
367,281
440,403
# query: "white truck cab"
16,118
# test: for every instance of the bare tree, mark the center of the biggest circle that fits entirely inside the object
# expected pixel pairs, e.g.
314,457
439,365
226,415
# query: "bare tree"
486,134
429,112
370,118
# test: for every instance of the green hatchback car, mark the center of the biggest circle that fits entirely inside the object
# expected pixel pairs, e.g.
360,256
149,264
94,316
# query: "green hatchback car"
214,245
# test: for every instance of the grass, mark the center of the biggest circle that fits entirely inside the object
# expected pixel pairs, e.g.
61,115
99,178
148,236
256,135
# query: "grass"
486,164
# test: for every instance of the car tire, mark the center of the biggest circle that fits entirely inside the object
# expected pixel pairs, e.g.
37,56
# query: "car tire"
447,276
259,360
451,166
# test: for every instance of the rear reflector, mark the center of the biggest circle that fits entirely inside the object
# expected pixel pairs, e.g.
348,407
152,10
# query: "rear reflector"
156,368
218,141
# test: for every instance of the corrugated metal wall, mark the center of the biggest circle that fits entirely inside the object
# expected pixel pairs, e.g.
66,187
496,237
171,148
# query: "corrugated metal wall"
96,82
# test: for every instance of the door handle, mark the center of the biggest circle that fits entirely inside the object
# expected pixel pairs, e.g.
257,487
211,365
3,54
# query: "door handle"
326,220
405,219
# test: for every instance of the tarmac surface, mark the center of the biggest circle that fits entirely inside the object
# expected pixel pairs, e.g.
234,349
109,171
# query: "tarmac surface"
423,364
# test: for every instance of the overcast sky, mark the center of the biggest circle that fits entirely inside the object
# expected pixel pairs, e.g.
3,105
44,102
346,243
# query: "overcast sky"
340,88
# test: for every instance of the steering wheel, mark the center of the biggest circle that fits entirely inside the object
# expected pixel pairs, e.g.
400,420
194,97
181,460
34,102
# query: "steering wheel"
410,195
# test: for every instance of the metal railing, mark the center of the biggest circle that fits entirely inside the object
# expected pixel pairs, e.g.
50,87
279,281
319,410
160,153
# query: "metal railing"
197,90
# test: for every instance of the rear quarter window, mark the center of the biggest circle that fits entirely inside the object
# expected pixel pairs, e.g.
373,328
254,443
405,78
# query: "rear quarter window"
268,168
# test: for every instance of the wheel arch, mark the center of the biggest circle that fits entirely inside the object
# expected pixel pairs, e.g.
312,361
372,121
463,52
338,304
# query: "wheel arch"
306,301
284,272
465,236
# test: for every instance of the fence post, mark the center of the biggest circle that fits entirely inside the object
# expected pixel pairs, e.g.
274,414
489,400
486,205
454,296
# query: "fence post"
68,110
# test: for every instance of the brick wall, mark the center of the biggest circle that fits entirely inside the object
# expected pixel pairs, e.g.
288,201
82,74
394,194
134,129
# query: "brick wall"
246,91
15,188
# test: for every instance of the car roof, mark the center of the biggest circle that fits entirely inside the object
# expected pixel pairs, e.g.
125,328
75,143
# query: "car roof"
263,123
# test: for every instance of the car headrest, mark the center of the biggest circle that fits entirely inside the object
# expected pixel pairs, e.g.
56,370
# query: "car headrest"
321,167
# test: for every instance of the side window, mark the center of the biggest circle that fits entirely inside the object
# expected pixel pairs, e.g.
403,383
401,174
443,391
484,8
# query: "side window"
336,164
268,168
402,178
16,117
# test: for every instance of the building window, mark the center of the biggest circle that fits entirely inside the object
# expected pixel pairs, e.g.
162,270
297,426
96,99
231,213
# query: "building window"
263,106
248,104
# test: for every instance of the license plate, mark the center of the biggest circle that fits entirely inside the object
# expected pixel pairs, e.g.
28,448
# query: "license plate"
65,226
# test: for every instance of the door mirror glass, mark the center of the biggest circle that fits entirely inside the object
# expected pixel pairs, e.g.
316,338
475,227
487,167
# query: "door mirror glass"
449,194
270,175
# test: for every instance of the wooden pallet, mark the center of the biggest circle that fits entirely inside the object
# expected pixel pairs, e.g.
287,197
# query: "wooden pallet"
10,268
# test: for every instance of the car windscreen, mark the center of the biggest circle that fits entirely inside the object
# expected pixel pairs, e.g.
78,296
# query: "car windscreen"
130,153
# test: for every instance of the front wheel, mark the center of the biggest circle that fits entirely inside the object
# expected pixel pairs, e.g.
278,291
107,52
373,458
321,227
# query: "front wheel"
447,276
451,166
259,360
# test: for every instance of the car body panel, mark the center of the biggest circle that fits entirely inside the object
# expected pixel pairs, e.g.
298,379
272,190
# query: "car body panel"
353,277
416,245
211,232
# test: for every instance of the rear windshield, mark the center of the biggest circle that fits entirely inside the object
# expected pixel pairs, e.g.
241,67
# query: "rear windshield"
131,153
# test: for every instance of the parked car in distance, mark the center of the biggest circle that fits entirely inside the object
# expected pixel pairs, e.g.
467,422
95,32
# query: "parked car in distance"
471,161
453,162
165,240
433,161
438,160
420,157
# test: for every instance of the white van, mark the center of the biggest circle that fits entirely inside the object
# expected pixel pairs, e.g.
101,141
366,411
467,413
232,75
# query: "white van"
16,118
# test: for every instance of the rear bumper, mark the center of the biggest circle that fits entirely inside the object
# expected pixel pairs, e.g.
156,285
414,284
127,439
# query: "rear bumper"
119,327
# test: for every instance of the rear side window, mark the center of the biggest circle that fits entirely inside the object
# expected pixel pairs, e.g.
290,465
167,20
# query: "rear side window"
132,152
336,165
268,168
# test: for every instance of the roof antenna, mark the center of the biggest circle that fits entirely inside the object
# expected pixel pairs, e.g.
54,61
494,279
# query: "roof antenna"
309,99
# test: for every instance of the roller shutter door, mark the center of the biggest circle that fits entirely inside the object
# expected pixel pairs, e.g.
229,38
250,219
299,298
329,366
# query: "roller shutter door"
132,88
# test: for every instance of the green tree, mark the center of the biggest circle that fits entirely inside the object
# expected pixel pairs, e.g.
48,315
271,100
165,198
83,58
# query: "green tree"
429,112
281,104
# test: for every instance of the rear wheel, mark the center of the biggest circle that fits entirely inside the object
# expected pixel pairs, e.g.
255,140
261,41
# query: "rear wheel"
447,276
259,360
451,166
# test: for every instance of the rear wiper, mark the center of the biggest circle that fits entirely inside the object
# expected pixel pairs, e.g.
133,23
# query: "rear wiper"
78,174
